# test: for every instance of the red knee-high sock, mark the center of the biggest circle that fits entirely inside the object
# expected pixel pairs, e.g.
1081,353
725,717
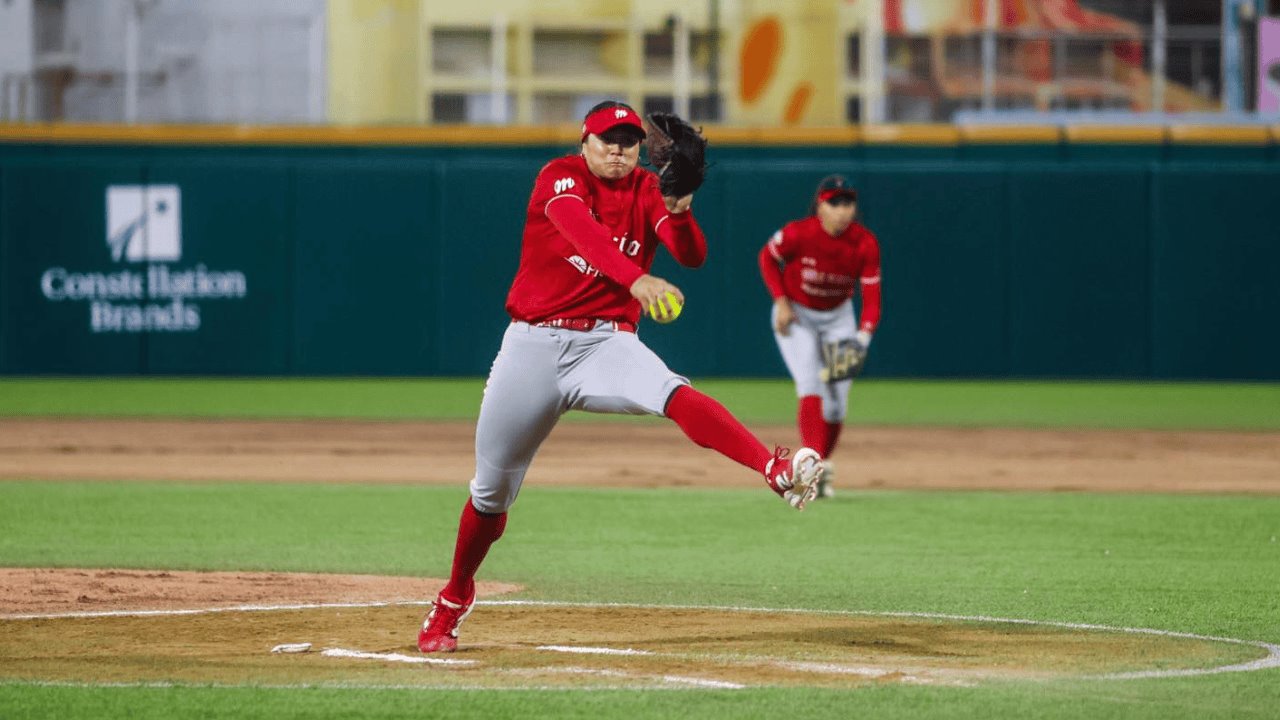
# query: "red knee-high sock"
476,532
832,434
710,425
813,429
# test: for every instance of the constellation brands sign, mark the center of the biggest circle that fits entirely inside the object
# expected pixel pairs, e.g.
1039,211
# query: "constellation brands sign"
146,287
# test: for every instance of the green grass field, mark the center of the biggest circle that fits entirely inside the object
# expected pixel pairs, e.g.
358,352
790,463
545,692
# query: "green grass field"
1236,406
1189,563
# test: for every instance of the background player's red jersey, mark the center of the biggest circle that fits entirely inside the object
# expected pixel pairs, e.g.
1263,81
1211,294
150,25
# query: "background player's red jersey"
586,240
820,271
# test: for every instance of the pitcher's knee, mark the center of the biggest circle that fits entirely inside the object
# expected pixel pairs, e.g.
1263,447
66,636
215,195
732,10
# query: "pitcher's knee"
497,492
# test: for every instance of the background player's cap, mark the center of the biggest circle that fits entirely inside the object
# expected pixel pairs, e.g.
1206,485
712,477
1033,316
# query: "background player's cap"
607,118
835,186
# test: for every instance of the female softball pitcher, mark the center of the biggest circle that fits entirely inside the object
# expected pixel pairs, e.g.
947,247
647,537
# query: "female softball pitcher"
811,267
592,227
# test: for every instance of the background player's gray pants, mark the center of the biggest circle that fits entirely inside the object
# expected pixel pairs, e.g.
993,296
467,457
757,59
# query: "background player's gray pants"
539,374
801,350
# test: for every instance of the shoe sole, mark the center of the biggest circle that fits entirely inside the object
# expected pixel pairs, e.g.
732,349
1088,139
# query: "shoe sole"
806,466
444,648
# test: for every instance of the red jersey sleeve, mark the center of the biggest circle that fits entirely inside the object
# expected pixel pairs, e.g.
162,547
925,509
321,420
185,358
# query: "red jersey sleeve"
565,206
559,181
870,280
679,232
782,244
771,261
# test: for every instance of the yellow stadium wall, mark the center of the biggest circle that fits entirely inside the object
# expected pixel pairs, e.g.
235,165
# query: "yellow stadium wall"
374,56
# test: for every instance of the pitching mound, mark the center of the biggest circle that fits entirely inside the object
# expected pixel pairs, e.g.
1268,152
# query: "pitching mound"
524,644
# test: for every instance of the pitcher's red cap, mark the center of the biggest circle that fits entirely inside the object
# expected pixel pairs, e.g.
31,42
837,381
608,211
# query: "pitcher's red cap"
605,119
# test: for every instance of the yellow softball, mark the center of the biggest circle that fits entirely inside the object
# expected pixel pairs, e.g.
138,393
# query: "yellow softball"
667,309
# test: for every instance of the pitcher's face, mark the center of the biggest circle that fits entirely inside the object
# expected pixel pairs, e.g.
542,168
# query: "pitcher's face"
612,156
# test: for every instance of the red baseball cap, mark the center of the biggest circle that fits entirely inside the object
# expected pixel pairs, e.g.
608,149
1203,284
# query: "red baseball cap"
607,118
834,186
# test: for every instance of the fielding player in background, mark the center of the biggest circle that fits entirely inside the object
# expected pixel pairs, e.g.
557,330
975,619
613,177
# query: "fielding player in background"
811,267
592,227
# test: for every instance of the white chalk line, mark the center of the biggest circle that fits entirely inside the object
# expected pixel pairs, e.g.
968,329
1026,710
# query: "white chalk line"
693,682
419,660
592,650
332,686
699,682
392,657
676,679
1271,660
826,668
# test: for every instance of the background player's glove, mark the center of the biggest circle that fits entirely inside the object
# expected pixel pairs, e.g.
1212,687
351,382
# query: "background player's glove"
861,344
678,151
844,359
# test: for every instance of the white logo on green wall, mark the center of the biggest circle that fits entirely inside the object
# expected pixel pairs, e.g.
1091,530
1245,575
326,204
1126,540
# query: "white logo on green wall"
144,225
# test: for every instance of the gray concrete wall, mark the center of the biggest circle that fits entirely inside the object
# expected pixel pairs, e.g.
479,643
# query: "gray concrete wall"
230,61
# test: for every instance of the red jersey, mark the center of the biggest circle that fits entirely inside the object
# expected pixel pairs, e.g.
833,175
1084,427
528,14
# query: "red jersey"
586,240
820,271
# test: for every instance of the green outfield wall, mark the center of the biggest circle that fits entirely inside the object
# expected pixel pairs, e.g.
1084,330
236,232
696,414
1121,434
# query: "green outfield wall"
1066,259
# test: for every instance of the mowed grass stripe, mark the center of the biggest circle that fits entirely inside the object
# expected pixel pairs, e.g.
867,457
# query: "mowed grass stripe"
1225,406
1223,696
1186,563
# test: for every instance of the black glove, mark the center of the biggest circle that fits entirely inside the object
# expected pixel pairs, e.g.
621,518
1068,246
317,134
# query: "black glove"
678,152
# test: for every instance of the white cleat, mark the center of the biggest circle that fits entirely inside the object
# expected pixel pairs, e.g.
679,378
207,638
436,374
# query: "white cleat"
795,481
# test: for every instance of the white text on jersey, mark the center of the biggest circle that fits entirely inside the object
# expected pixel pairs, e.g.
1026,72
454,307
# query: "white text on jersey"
628,248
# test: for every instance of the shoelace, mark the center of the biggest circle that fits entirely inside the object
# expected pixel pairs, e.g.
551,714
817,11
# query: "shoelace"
444,613
783,479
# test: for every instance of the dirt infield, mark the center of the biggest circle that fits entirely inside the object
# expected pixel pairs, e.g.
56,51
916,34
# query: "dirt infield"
46,590
615,646
586,454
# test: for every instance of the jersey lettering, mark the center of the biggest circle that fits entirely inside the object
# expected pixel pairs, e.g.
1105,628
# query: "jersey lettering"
825,284
564,184
628,248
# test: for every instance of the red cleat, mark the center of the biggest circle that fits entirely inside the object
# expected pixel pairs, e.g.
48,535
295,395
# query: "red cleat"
439,631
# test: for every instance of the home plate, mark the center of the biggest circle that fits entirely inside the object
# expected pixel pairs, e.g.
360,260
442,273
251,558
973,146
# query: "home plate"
392,657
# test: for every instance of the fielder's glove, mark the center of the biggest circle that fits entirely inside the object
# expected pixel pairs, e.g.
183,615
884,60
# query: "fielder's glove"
844,359
678,152
861,344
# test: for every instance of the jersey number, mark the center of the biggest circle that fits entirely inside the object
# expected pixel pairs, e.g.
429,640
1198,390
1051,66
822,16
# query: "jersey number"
630,247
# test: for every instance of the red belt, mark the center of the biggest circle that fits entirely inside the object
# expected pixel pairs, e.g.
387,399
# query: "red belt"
585,324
